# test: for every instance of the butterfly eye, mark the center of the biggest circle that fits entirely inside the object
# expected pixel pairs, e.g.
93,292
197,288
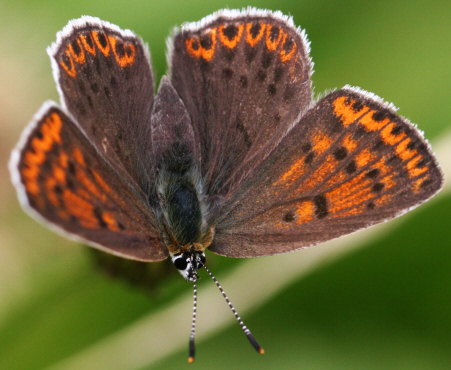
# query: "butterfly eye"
180,263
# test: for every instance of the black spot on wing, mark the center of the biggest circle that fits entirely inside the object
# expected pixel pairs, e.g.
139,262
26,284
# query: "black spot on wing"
321,206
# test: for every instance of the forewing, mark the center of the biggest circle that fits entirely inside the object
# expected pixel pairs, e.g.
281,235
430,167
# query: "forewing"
63,180
105,81
350,162
244,78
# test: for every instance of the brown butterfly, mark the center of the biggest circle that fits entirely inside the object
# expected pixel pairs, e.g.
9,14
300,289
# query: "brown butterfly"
232,154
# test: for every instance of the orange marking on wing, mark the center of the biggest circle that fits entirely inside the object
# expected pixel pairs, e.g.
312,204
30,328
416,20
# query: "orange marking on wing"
293,66
207,54
321,143
128,57
417,183
406,154
305,212
32,188
412,167
63,159
59,174
349,143
70,70
403,152
105,50
389,181
29,175
388,137
90,186
351,212
50,191
346,112
84,194
272,45
384,175
102,183
364,157
33,159
110,221
52,127
284,56
382,166
79,58
45,144
78,157
401,142
340,194
385,169
334,180
358,190
41,146
384,199
190,43
345,195
29,172
319,175
294,172
371,124
234,41
80,208
86,46
252,41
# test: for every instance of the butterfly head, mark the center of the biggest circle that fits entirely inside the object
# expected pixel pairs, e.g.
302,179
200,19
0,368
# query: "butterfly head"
188,263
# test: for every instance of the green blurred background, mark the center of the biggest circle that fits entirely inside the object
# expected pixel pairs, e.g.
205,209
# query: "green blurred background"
384,306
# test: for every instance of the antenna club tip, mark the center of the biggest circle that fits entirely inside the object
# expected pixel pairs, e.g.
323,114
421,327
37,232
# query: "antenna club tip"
261,351
190,359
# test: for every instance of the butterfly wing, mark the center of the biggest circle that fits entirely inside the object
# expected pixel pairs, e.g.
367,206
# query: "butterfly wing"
349,163
87,169
239,74
105,81
63,180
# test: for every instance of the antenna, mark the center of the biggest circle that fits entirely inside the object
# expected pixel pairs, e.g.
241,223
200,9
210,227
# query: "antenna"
193,326
248,333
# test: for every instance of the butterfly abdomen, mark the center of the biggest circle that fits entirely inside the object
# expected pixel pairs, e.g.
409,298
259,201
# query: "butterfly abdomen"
183,212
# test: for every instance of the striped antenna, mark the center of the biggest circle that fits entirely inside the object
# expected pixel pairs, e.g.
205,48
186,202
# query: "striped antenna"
193,326
244,327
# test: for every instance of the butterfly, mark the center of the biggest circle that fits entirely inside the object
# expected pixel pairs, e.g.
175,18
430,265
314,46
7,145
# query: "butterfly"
233,154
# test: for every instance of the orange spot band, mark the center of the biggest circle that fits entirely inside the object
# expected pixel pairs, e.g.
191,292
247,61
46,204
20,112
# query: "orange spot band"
33,159
252,41
273,44
70,70
284,56
129,52
226,41
200,51
104,49
79,58
346,112
89,48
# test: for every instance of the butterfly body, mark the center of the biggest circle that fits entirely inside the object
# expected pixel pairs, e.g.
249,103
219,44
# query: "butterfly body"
182,205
